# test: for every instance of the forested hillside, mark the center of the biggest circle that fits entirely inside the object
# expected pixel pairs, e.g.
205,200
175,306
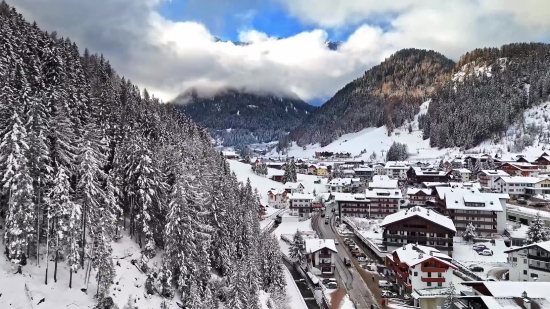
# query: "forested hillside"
86,158
237,118
387,94
490,90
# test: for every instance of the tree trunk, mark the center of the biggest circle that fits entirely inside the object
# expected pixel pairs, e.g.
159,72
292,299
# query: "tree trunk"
83,236
71,278
38,224
47,245
131,216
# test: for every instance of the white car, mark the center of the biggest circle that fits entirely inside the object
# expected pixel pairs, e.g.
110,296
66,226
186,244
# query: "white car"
336,241
486,252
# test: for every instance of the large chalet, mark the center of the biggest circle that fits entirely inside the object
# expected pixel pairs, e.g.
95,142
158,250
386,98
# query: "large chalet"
520,169
417,175
374,203
418,225
321,254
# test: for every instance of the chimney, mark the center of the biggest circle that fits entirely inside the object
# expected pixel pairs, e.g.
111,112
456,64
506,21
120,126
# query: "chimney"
527,303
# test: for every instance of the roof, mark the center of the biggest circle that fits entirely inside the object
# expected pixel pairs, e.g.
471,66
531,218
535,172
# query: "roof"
421,212
397,165
412,254
293,185
412,191
383,193
340,182
383,182
364,169
463,170
513,288
301,196
543,245
520,179
428,184
467,185
276,173
458,200
495,173
427,172
276,191
229,153
347,197
314,245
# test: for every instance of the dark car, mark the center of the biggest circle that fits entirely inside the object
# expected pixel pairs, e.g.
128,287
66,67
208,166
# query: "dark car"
347,261
333,209
476,269
322,215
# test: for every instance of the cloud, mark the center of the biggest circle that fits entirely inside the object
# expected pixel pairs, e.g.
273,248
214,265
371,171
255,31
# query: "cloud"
169,57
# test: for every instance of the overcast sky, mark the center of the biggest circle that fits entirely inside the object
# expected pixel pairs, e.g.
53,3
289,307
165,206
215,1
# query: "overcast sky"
168,46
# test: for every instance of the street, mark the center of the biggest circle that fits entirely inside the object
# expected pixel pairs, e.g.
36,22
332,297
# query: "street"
349,277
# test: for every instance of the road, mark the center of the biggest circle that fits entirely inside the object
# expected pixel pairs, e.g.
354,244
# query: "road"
357,289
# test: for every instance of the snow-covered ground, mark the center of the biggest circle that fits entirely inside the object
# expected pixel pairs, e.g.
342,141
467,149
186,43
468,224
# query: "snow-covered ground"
294,297
464,254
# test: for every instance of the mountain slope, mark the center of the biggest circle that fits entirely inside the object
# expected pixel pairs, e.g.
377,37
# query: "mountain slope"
389,93
489,91
237,118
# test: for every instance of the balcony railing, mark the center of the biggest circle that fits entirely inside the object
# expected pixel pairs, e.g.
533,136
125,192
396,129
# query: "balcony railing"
419,238
438,247
538,258
433,279
325,255
430,269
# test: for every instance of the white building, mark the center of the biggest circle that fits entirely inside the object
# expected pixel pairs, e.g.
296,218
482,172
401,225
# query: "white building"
462,173
321,254
294,187
530,263
277,198
300,204
515,185
339,185
383,182
378,168
396,169
487,177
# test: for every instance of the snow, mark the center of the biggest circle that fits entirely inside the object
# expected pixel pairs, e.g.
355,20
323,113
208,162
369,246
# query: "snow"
410,254
467,256
314,245
383,182
295,299
422,212
528,211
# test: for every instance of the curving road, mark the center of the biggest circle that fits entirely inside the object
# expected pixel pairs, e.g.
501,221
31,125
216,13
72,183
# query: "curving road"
357,289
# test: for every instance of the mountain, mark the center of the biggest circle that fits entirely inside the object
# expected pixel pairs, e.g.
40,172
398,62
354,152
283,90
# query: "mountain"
389,93
95,171
238,118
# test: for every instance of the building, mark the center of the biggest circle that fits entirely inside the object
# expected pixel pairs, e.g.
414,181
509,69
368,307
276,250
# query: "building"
277,198
364,173
276,165
543,162
418,267
321,171
505,295
530,263
277,175
396,169
486,211
378,168
383,182
421,226
417,175
459,174
294,187
339,185
312,169
321,254
520,169
374,203
230,155
300,204
419,196
525,215
488,177
516,186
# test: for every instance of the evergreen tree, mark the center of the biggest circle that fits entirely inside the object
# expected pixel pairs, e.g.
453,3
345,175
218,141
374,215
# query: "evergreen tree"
450,297
297,248
397,152
537,231
470,232
490,163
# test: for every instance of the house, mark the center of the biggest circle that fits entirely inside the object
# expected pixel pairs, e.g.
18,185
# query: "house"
311,169
261,210
418,225
364,173
520,169
374,203
417,175
475,157
339,185
396,169
378,168
486,211
515,186
459,174
321,171
300,204
383,182
417,267
543,162
419,196
277,175
230,155
539,188
321,254
277,198
488,177
276,165
505,295
294,187
530,263
348,173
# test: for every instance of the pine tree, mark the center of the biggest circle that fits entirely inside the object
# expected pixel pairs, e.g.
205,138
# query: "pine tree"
297,248
537,231
470,232
450,296
490,163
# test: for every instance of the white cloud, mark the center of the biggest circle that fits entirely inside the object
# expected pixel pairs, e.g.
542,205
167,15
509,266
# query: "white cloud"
168,57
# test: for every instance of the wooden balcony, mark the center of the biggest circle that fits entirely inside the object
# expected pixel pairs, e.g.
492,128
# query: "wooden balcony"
325,255
433,269
432,279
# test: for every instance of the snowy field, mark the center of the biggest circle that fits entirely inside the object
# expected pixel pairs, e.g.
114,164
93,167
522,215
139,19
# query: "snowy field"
466,255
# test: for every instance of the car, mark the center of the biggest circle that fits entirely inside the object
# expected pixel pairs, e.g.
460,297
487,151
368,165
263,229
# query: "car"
322,215
347,261
384,284
336,242
476,268
485,252
333,210
328,280
332,285
479,247
347,240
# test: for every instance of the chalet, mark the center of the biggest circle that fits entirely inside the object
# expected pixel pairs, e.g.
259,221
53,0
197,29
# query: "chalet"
354,163
378,168
396,169
230,155
459,174
321,254
300,204
261,210
515,185
348,173
364,173
311,169
487,177
277,198
276,165
277,175
417,267
505,295
475,157
321,171
418,225
302,168
486,211
543,162
339,185
530,263
383,182
539,188
417,175
419,196
520,169
374,203
294,187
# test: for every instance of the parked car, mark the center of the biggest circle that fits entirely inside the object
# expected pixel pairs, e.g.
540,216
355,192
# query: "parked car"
326,220
384,284
347,261
332,285
479,247
328,280
347,241
476,268
322,215
522,201
485,252
336,241
333,210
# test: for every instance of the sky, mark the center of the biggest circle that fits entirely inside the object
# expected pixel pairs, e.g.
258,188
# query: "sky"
170,46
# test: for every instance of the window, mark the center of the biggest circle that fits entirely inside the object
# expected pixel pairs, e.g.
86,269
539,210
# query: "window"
429,284
429,275
416,274
440,275
524,261
525,272
440,284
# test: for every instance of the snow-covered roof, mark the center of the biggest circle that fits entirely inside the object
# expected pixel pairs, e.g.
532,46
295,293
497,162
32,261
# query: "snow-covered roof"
276,191
348,171
462,170
347,197
229,153
383,193
543,245
495,173
397,165
340,182
412,254
520,179
514,288
383,182
466,185
412,191
419,171
276,172
429,184
301,196
421,212
293,185
461,199
522,164
314,245
364,169
276,163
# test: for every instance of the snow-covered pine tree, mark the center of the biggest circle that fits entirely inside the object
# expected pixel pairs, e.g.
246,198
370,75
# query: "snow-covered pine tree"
293,171
490,163
537,231
450,297
296,252
470,165
271,264
470,232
